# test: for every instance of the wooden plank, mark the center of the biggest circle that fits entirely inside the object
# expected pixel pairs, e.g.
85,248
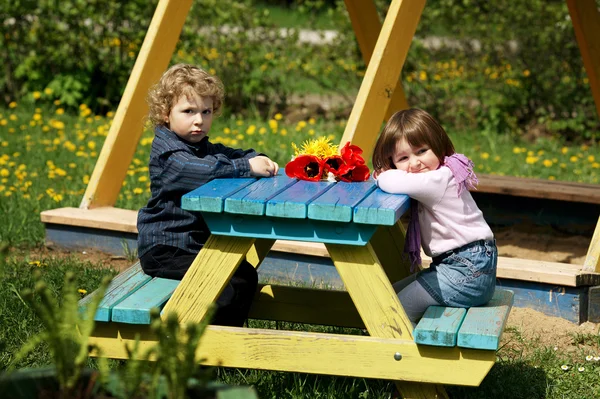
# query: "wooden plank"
594,305
126,128
337,204
439,326
123,285
592,259
382,75
483,325
206,277
586,23
210,197
251,200
273,228
305,305
539,188
367,26
76,238
569,303
106,217
381,208
371,291
135,309
293,202
317,353
299,270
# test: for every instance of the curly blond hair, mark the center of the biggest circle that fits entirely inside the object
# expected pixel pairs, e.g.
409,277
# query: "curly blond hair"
182,79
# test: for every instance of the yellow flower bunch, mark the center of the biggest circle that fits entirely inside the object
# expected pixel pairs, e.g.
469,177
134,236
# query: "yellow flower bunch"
320,148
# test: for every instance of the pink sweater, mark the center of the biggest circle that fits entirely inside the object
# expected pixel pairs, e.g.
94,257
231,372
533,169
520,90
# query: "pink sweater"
447,221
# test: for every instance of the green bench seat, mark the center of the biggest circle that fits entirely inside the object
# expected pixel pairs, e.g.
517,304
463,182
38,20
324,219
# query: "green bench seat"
477,328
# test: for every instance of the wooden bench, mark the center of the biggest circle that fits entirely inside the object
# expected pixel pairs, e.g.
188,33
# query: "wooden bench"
476,328
132,294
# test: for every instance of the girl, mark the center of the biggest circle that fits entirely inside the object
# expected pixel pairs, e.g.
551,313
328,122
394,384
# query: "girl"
415,156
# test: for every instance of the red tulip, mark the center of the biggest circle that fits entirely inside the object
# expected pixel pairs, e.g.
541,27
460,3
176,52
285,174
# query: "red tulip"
351,154
354,173
305,167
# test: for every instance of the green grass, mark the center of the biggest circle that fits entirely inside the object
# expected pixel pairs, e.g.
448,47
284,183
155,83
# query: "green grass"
524,369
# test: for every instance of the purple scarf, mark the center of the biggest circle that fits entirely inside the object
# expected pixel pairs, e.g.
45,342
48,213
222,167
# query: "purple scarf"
462,169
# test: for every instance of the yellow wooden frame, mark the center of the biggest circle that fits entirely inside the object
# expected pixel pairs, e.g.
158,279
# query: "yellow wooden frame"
418,371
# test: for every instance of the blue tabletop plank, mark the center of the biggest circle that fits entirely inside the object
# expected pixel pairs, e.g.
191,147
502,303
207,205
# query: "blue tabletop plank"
381,208
337,204
293,202
211,196
251,199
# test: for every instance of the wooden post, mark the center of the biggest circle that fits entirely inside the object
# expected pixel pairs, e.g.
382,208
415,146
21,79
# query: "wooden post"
122,140
382,74
586,23
367,26
592,259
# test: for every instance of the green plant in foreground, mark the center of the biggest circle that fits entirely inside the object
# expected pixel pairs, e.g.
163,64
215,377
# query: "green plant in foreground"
175,370
67,331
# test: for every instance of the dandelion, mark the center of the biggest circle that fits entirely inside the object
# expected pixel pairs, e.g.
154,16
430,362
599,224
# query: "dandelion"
564,150
47,91
564,367
591,158
531,160
82,291
37,263
516,150
138,190
547,163
278,116
36,95
573,158
12,104
485,155
60,111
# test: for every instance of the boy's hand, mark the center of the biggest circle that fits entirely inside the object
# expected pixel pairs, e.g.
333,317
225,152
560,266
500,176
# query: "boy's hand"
263,167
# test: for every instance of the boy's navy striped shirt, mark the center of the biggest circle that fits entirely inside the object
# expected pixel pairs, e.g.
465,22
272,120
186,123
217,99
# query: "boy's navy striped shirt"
177,167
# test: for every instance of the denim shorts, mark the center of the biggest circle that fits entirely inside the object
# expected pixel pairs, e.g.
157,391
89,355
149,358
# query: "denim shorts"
463,277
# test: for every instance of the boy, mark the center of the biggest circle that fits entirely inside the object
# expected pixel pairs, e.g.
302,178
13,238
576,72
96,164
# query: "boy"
182,105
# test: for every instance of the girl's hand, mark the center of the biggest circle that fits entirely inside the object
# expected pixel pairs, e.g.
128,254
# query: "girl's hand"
263,167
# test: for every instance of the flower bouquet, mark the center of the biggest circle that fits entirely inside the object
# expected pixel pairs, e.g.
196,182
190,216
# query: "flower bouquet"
319,159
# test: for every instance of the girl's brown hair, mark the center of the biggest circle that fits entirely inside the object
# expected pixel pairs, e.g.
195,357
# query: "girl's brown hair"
182,79
418,128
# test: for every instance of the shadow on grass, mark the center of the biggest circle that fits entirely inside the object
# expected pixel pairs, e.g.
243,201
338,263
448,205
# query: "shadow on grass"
513,380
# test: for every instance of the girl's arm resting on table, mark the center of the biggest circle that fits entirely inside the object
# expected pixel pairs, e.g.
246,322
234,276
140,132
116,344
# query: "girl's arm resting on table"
186,172
426,187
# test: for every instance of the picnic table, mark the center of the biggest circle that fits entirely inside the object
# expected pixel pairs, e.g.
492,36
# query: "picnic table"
359,226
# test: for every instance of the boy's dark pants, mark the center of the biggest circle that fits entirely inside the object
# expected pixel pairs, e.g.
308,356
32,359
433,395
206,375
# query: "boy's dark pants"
234,303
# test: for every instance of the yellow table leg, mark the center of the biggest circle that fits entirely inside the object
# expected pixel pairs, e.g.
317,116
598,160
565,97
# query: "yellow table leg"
388,244
207,276
371,291
259,250
378,305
